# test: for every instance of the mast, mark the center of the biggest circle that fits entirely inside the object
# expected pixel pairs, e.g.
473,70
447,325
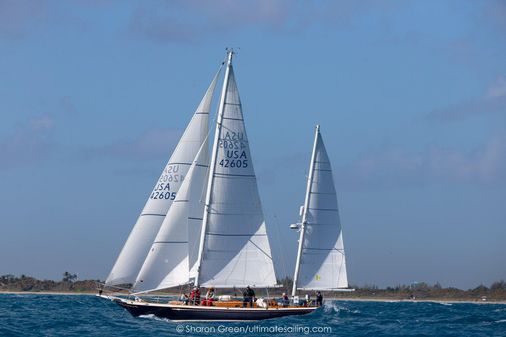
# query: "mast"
304,213
212,166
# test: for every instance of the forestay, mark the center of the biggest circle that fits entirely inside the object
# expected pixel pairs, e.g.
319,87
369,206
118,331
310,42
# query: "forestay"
323,265
148,224
175,248
235,248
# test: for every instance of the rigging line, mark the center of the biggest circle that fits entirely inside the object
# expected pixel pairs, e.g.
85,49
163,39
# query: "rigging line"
260,249
283,261
213,122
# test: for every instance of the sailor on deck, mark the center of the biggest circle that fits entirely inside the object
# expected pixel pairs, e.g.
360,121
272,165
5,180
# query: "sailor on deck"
209,297
248,297
195,296
319,299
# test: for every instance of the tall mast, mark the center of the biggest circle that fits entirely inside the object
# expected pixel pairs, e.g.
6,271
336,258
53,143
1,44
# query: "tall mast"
304,213
212,167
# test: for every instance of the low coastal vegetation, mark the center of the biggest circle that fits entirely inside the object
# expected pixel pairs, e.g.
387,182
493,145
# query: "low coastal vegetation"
68,283
416,291
420,291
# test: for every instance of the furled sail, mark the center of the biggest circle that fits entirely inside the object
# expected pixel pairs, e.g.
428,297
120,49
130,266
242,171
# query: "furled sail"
322,259
175,248
235,250
134,252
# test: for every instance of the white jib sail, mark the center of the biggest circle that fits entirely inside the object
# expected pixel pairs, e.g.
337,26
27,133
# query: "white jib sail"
174,250
323,264
134,252
235,248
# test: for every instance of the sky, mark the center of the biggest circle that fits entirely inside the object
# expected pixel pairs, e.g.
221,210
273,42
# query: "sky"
410,96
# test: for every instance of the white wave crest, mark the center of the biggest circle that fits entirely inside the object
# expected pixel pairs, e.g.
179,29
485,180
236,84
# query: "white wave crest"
329,307
156,318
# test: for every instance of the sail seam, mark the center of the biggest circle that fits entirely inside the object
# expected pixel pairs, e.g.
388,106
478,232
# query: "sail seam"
234,119
222,175
324,209
220,234
171,242
153,214
179,163
260,249
321,224
223,213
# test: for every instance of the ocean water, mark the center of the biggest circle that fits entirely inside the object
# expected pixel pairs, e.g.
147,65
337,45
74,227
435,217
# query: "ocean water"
85,315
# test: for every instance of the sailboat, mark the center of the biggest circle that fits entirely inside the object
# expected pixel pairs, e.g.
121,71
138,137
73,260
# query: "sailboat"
213,232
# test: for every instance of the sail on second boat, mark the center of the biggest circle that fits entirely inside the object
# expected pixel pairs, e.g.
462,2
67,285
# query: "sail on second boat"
321,259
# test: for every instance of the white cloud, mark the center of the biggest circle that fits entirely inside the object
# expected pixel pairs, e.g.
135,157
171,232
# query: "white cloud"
433,165
497,89
493,101
29,142
42,122
149,145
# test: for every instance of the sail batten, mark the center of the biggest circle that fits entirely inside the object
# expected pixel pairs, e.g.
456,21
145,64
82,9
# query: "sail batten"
133,253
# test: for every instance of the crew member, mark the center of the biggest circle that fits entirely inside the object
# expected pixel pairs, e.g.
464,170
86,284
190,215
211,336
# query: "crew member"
319,299
195,296
184,298
209,297
284,300
248,297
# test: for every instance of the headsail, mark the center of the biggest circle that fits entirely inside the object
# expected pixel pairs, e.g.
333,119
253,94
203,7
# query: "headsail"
321,255
234,249
175,248
134,252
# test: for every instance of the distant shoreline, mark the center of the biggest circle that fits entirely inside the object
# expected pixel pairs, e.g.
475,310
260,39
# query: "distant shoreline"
347,299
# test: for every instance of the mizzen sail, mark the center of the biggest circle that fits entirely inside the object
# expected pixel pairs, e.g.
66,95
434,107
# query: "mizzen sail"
137,246
322,260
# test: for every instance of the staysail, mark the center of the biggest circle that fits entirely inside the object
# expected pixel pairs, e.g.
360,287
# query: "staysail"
175,248
234,250
134,252
321,260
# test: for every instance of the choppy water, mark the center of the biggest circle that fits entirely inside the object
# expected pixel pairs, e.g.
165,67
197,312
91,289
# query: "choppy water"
83,315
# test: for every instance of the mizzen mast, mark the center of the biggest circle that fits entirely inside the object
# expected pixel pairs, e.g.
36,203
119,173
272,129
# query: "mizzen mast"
305,212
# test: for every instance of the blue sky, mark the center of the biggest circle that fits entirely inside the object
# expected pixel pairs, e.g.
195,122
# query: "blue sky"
410,95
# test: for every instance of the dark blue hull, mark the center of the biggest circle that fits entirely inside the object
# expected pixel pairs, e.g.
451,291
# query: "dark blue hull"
197,313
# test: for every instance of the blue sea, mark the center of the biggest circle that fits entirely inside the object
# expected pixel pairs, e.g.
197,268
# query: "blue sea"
87,315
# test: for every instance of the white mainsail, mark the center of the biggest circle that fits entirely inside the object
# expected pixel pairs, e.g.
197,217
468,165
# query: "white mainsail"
134,252
234,248
174,250
321,263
